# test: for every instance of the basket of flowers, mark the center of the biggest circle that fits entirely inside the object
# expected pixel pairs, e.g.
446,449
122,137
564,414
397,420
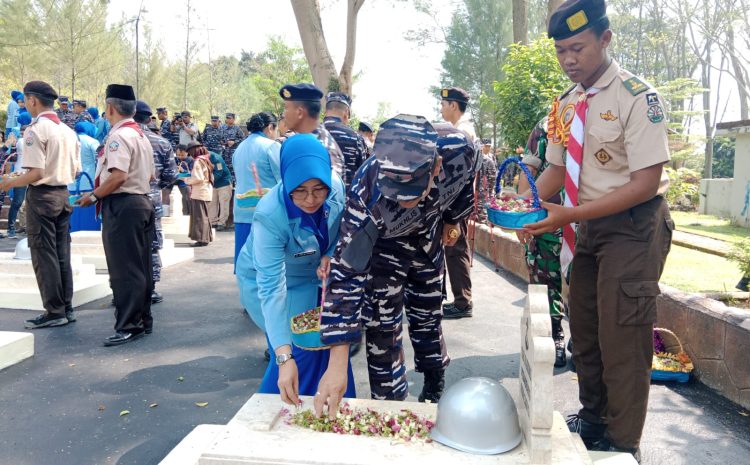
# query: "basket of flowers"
514,213
670,361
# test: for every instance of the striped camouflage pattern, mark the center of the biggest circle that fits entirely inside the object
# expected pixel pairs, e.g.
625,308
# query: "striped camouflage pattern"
351,144
337,158
406,271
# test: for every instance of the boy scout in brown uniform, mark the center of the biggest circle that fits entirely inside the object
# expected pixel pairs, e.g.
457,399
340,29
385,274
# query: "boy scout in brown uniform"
51,155
122,185
624,230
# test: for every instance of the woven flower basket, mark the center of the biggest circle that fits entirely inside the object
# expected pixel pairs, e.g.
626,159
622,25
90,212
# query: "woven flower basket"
672,363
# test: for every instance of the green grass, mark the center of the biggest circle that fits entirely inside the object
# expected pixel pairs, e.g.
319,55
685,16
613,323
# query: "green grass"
710,226
693,271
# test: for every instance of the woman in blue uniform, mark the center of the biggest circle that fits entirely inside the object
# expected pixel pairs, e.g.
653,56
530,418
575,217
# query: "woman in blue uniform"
280,267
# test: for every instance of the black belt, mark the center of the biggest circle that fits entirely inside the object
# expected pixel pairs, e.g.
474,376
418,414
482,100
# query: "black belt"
48,187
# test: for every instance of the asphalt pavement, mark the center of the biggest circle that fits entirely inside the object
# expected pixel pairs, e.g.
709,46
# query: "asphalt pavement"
67,404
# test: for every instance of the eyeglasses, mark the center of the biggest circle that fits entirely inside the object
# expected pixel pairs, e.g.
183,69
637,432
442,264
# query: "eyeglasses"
302,194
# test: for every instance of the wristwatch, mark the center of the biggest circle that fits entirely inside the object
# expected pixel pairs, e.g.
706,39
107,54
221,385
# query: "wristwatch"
283,358
93,198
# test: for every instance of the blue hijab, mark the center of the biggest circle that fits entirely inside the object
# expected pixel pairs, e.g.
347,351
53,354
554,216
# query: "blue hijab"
84,127
303,157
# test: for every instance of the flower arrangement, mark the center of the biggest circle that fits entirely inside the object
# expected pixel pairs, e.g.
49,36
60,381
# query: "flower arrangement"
307,321
404,426
670,362
519,205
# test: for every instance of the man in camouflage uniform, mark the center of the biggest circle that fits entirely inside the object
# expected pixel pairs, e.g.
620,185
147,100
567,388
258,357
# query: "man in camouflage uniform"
231,136
165,174
166,127
301,113
64,113
404,205
543,251
213,136
352,145
486,180
79,110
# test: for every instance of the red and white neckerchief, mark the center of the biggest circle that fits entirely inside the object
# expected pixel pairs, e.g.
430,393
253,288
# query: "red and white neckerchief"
573,163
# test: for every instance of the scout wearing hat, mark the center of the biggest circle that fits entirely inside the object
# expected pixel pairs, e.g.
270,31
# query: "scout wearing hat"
123,184
391,243
454,101
352,145
51,156
611,164
165,175
302,105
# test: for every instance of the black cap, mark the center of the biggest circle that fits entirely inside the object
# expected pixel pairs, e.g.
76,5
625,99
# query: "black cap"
193,144
79,102
339,97
161,109
63,99
575,16
40,88
365,127
455,94
186,113
230,115
143,108
214,118
121,91
301,92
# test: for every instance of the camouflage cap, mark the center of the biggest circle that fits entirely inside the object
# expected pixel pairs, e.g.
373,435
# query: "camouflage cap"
405,151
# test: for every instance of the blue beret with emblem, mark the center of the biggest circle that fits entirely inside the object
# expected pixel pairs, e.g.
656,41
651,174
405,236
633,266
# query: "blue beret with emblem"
574,17
340,97
364,126
301,92
454,94
143,108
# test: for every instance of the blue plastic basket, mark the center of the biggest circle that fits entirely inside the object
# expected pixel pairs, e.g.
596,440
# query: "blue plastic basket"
516,220
307,339
83,218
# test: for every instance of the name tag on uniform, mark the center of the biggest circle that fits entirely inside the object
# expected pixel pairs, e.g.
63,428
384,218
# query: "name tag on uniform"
304,254
218,167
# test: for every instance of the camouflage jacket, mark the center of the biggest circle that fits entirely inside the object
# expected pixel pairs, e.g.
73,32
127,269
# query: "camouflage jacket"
351,144
234,133
369,216
487,178
83,116
337,158
165,167
213,139
67,117
172,137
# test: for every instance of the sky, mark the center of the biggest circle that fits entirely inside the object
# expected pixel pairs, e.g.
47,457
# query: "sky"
393,70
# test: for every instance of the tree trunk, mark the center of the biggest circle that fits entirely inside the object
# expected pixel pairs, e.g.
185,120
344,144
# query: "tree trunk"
740,75
706,83
307,14
552,5
345,76
187,60
521,21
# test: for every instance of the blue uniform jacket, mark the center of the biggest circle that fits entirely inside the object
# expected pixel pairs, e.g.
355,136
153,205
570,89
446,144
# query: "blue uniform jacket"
264,152
276,269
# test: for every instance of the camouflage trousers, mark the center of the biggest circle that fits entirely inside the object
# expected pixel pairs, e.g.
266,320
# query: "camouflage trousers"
158,241
543,259
403,279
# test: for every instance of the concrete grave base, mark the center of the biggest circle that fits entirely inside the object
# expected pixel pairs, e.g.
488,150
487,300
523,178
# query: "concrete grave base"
15,347
88,245
19,288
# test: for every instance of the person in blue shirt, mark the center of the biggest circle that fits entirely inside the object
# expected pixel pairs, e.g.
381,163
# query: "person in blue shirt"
13,107
259,149
86,132
101,123
280,268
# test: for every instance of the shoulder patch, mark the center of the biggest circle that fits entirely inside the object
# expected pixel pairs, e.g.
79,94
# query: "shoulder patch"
28,138
113,146
635,86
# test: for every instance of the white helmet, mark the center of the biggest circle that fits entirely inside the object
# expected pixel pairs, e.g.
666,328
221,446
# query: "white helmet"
22,250
477,415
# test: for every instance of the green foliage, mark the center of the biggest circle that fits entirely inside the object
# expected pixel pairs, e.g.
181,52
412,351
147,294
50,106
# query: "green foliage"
532,79
723,161
740,254
684,188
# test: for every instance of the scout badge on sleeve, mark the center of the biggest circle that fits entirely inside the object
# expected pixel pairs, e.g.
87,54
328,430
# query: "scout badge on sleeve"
515,213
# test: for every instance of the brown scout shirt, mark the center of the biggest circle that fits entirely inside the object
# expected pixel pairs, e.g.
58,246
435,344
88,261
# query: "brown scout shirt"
626,131
52,147
130,151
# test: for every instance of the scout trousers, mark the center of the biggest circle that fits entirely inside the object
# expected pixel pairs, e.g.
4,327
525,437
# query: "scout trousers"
458,263
48,229
218,209
404,280
127,234
613,287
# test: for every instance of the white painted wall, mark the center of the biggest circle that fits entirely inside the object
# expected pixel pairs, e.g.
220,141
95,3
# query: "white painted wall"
715,197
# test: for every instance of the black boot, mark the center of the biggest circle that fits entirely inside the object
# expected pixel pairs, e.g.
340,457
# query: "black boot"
558,335
570,349
743,284
434,382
